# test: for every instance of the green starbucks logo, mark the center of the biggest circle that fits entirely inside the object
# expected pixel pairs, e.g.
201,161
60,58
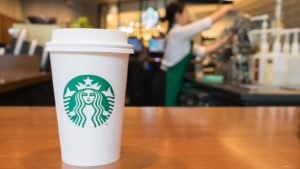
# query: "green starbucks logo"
88,99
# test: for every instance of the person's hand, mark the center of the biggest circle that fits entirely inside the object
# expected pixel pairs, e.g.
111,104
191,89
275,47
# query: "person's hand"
224,10
228,38
229,8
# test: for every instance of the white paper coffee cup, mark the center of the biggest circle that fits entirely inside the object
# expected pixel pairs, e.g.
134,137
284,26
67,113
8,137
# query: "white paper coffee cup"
89,71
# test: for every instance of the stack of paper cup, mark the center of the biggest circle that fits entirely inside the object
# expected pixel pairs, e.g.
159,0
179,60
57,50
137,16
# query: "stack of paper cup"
89,71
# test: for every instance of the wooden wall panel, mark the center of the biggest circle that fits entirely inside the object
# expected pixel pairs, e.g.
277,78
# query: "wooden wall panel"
5,23
290,10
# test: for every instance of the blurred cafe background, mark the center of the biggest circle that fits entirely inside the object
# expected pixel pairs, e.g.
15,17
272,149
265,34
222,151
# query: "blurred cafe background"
259,66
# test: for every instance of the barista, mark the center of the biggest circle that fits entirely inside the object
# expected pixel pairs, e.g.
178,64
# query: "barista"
180,49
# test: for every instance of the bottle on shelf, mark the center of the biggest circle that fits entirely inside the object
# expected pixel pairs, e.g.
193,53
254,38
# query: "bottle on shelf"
294,61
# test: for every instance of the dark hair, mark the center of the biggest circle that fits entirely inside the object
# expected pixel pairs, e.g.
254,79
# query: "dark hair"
171,10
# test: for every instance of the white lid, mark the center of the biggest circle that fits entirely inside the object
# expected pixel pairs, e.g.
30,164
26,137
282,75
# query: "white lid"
88,40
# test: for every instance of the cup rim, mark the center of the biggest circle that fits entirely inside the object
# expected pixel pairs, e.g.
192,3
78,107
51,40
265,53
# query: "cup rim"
83,39
88,47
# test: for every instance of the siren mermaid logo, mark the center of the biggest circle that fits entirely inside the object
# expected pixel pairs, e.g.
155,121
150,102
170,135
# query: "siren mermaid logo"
88,100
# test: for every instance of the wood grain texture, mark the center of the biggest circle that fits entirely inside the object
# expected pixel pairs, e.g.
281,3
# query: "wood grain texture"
166,138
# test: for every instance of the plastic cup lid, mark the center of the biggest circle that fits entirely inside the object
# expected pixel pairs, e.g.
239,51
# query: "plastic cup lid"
88,40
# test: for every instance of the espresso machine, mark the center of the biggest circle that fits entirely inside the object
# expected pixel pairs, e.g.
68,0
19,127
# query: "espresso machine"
234,58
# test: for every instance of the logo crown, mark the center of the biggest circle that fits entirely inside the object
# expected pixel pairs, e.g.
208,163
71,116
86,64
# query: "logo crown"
88,85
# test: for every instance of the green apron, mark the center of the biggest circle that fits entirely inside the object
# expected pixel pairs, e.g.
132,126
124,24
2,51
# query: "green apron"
174,79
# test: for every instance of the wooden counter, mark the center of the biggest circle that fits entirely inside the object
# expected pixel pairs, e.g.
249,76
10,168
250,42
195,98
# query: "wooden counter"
250,95
22,83
20,71
165,138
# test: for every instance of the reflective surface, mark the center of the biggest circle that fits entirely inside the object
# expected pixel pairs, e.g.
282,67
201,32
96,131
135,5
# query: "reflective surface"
17,72
235,138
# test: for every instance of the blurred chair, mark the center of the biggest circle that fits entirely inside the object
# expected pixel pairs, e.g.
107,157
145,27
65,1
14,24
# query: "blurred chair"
11,47
20,46
24,49
32,48
2,51
45,61
39,51
20,42
35,49
2,48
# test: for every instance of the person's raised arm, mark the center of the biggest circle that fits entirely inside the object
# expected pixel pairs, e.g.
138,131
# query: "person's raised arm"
204,50
187,32
221,12
217,45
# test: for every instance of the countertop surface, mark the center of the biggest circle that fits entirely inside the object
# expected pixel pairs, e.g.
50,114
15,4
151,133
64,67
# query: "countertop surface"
251,95
165,138
20,71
